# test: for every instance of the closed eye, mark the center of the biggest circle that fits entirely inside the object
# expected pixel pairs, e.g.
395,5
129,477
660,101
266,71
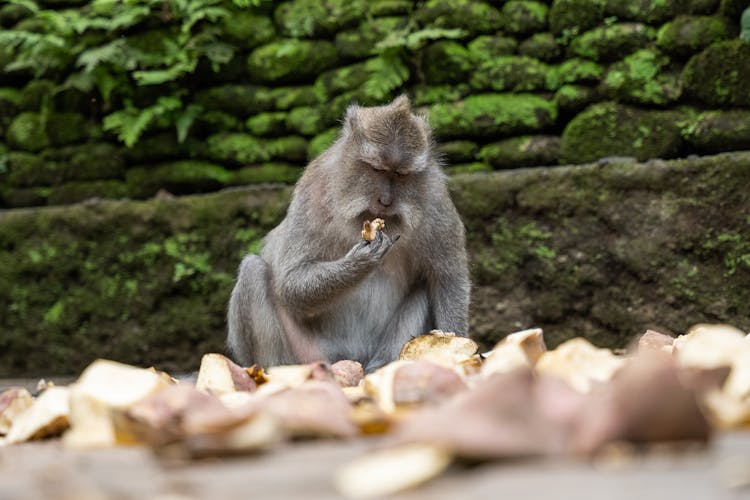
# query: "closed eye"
401,174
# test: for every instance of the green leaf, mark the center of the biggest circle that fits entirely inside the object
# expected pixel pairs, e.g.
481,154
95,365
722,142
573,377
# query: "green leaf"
185,120
745,25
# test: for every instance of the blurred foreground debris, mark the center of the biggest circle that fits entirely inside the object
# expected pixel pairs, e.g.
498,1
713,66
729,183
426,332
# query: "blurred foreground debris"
439,402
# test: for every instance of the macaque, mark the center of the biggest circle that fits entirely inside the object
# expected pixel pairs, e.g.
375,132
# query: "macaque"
318,291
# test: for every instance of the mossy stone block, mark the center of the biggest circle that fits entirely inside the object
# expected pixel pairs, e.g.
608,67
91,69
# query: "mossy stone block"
306,120
155,148
12,14
290,60
609,43
27,169
572,17
430,94
486,48
267,172
720,75
383,8
524,151
571,99
25,197
646,11
74,192
321,142
446,62
718,131
35,93
179,177
361,42
611,129
512,74
641,79
28,132
214,121
525,17
337,81
702,7
574,70
468,168
247,29
472,16
317,18
292,97
10,100
458,151
264,124
687,35
67,128
87,162
237,149
292,149
732,9
490,115
542,46
235,99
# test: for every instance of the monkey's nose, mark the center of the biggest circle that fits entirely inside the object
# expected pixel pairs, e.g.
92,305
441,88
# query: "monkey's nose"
385,200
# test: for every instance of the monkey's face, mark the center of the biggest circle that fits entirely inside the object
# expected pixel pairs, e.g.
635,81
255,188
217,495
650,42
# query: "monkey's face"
388,167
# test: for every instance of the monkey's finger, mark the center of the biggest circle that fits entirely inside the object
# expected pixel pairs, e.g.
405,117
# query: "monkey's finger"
395,238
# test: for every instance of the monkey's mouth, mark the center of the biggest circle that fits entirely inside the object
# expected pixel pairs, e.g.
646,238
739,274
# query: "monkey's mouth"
390,218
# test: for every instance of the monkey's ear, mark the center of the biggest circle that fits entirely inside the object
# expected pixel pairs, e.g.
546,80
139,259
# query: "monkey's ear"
351,119
402,104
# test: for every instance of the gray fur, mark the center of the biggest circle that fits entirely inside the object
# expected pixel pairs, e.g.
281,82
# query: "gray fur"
318,291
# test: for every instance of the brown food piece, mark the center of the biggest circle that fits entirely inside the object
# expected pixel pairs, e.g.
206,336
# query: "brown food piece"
347,373
219,375
13,402
370,229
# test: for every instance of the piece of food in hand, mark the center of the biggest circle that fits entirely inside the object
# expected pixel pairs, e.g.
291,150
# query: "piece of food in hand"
370,229
105,386
517,350
389,471
13,402
348,373
579,363
219,375
48,416
441,348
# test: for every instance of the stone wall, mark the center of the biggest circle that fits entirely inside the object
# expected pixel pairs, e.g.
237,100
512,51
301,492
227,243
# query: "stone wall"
506,84
603,250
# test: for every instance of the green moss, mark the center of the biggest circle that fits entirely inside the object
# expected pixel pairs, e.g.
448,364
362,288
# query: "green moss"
291,60
316,18
486,48
446,62
26,169
641,78
646,11
486,115
511,73
66,128
237,100
237,149
612,42
570,17
218,121
292,149
273,123
524,151
12,14
467,168
91,161
360,42
571,99
35,93
27,132
573,71
431,94
610,129
73,192
717,131
306,121
720,75
247,29
292,97
687,35
321,142
339,80
179,177
458,151
524,17
542,46
381,8
267,172
471,16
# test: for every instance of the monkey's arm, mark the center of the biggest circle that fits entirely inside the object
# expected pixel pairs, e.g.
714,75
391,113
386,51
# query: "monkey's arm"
309,287
448,283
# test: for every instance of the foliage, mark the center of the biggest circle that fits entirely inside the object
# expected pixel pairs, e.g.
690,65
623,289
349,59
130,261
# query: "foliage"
745,25
106,47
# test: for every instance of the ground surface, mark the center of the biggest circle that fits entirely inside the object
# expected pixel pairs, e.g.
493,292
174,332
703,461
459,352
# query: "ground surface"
304,470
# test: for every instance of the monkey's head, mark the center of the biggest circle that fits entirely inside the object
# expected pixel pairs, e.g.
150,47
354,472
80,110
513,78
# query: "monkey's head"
389,166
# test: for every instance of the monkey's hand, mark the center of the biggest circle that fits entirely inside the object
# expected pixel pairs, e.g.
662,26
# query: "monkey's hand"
372,251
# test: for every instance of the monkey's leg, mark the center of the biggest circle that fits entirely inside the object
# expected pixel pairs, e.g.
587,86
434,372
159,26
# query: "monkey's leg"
411,319
255,333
